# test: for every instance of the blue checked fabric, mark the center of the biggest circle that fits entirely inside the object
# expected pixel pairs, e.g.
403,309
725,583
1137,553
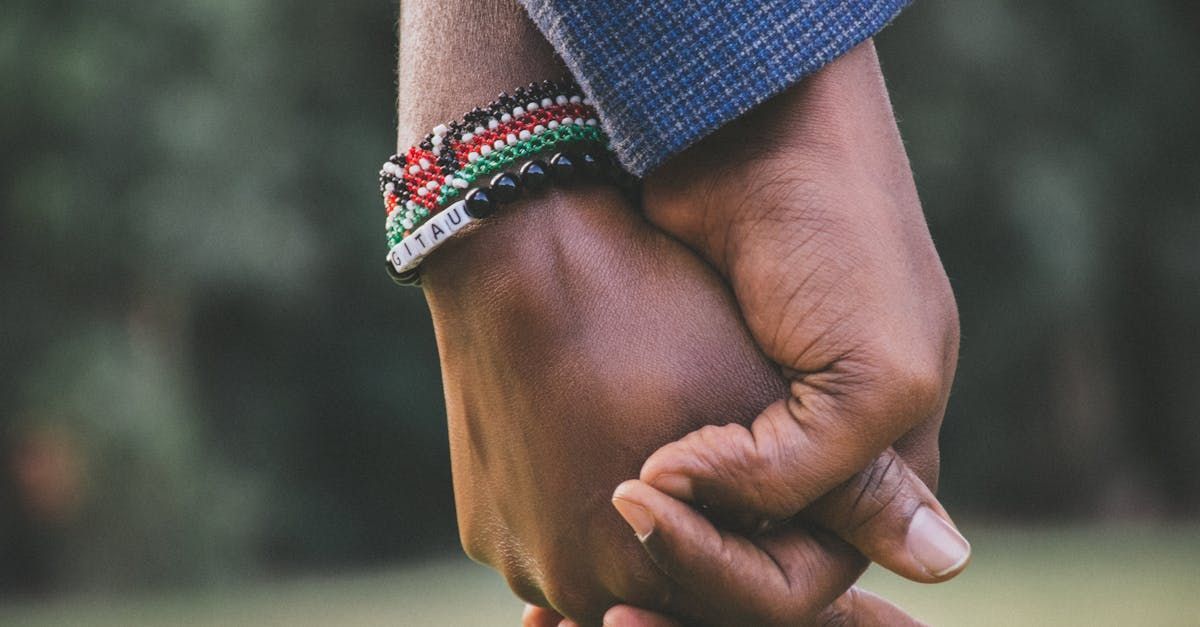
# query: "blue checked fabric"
665,73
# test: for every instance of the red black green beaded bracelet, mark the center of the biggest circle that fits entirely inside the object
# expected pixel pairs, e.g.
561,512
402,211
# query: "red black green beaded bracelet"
442,174
428,176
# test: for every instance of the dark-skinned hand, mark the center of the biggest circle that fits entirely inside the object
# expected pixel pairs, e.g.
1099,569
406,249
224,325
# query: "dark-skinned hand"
575,340
808,208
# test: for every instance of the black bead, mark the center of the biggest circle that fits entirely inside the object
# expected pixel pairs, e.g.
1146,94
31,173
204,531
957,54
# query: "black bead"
562,167
505,187
411,277
534,175
590,165
479,203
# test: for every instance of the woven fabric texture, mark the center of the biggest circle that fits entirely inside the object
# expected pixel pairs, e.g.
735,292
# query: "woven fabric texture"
665,73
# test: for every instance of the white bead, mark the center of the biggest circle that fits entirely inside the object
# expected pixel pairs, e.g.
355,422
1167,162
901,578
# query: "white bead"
466,137
460,183
413,169
485,150
560,99
525,135
421,191
411,250
437,151
391,187
448,179
426,239
552,124
539,129
424,163
436,140
518,112
531,107
498,144
546,102
440,130
479,130
493,123
576,99
568,120
431,185
473,157
592,121
506,118
511,139
587,101
406,223
410,205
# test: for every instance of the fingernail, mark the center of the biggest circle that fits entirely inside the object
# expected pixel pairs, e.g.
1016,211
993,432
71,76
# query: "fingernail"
637,516
935,544
677,486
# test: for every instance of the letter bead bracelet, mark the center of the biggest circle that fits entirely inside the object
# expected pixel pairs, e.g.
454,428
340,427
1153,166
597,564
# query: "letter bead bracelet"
546,132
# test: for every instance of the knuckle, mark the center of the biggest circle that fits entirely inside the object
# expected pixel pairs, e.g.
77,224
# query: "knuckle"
582,603
914,385
526,589
474,545
841,612
873,491
724,452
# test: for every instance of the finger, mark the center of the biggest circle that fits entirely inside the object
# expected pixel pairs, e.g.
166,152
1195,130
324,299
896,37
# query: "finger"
535,616
795,451
889,515
864,609
786,576
627,616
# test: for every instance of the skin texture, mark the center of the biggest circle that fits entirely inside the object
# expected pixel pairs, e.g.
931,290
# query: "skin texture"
580,341
832,264
576,339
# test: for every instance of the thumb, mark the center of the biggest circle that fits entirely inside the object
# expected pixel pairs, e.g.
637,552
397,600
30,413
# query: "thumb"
884,510
888,514
784,577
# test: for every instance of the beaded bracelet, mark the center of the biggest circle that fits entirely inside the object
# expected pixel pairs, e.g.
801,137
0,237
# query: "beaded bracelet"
432,190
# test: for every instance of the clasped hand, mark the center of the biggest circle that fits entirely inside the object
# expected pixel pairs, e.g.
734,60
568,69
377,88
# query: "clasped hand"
768,345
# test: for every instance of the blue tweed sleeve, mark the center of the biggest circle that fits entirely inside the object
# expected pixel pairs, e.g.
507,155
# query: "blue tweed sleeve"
665,73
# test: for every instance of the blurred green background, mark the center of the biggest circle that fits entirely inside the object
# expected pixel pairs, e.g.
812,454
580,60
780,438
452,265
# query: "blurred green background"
202,414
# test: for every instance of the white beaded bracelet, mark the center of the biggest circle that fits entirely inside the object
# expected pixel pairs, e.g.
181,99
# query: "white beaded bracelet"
408,254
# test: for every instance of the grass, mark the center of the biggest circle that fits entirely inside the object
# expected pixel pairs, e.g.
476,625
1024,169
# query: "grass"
1092,576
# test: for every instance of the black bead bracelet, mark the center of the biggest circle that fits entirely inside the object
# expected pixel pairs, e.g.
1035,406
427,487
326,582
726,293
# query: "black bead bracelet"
567,167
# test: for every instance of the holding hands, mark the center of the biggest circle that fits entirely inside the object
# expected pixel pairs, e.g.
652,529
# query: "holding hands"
770,345
822,241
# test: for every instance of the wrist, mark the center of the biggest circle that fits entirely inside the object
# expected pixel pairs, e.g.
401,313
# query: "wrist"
820,144
494,48
530,252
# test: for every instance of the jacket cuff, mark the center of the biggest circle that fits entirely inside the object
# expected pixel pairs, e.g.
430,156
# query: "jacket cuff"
664,74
